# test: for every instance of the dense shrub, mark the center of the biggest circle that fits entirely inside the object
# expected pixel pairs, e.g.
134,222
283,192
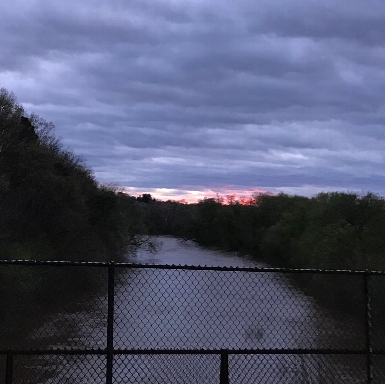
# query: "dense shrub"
52,208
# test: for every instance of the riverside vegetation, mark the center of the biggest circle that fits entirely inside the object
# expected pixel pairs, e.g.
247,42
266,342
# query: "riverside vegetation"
51,207
329,231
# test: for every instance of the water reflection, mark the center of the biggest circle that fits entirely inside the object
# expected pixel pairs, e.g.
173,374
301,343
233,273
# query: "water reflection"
182,309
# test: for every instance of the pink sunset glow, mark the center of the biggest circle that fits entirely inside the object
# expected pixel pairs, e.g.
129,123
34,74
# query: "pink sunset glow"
193,196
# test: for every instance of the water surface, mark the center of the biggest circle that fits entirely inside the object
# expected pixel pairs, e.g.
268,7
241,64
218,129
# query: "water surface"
186,310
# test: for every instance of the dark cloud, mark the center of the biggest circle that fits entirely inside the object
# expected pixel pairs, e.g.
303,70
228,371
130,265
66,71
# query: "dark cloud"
207,95
347,20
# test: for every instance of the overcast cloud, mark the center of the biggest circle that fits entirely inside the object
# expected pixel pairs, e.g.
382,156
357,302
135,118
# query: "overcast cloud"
189,98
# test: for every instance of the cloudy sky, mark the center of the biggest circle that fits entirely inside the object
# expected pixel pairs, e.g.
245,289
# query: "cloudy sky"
188,98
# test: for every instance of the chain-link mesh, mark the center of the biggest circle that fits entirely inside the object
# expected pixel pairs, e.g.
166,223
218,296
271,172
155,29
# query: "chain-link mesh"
166,369
63,369
200,309
55,307
297,369
2,367
377,295
379,369
272,326
377,330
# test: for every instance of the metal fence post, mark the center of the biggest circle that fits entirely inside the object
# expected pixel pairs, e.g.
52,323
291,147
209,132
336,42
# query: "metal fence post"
9,368
368,331
110,322
224,376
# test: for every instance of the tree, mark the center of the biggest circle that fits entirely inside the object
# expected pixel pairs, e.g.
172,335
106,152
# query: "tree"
50,203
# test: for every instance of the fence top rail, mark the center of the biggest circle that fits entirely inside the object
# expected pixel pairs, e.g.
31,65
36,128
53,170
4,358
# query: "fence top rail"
64,263
261,351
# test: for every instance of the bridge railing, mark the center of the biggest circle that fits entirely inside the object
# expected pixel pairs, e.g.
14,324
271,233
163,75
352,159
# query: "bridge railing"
131,323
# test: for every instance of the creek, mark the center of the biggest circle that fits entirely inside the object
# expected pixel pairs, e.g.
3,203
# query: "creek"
179,309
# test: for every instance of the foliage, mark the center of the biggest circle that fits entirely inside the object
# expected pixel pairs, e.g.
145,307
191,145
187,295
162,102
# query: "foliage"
331,230
51,207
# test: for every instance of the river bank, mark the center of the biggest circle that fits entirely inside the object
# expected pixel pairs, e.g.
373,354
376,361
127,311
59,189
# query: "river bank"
183,309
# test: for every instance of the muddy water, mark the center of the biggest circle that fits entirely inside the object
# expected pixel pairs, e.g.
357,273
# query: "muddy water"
173,309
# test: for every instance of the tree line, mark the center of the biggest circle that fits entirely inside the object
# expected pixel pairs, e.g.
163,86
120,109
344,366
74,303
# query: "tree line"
52,208
329,231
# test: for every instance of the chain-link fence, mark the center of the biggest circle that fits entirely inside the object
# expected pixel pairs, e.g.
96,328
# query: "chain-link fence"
66,322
